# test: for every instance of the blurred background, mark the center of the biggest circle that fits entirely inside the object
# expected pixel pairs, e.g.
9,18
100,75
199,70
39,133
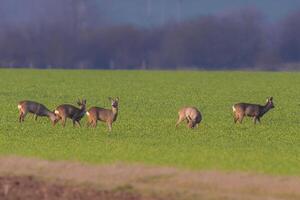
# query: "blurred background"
150,34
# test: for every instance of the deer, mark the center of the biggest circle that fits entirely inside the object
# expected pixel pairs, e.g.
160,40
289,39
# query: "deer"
65,111
192,116
105,115
256,111
36,109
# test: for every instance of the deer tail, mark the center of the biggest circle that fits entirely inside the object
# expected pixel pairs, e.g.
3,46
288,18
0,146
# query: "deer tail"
233,109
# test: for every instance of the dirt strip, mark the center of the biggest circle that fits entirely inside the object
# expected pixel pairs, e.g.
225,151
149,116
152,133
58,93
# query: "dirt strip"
122,181
30,188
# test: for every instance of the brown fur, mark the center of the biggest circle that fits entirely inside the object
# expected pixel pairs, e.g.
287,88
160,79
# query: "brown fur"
65,111
106,115
192,116
35,108
240,110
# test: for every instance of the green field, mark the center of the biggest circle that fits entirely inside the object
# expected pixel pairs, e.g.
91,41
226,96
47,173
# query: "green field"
145,132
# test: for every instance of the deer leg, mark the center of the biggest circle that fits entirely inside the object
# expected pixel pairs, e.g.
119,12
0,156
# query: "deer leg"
53,123
235,118
241,119
74,120
56,120
258,119
23,116
63,121
95,123
109,124
20,116
180,119
35,117
88,124
78,123
194,125
254,120
191,124
91,123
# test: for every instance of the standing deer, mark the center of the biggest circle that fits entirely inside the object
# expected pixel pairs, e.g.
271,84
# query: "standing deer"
106,115
240,110
35,108
192,116
65,111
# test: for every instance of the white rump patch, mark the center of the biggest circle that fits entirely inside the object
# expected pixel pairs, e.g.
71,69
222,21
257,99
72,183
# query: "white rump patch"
19,106
56,112
233,109
87,113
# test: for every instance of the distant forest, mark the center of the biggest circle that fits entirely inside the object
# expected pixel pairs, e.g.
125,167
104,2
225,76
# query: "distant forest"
76,34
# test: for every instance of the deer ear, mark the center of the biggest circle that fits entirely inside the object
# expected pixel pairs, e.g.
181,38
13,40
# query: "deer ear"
271,98
117,98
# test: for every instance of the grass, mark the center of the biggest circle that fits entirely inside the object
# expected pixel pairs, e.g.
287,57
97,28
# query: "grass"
145,132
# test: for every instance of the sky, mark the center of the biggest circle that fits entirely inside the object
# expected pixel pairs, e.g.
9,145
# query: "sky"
151,12
146,12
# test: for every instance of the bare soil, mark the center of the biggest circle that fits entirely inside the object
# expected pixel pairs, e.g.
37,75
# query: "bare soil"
30,188
28,178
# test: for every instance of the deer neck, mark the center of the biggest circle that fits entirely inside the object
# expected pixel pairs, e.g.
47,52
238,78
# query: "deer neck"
115,112
82,110
47,112
51,115
265,109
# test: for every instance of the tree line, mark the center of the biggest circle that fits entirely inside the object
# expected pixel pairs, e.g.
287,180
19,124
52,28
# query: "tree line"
241,39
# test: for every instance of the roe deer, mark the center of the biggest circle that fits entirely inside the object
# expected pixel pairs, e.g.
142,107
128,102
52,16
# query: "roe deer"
106,115
240,110
192,116
65,111
35,108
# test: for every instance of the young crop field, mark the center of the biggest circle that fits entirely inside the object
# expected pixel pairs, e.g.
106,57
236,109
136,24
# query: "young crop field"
145,129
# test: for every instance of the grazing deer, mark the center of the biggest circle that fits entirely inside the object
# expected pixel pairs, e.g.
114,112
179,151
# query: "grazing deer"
65,111
240,110
192,116
106,115
35,108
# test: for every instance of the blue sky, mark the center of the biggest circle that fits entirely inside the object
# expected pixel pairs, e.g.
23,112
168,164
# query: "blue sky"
157,11
145,12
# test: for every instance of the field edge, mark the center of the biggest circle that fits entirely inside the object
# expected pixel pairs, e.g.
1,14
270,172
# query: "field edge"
149,182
